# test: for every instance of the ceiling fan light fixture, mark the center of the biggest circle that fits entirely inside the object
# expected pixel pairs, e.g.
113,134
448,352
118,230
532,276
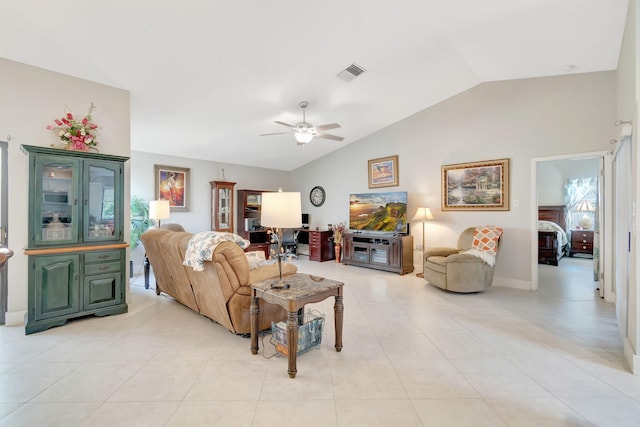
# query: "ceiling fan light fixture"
303,137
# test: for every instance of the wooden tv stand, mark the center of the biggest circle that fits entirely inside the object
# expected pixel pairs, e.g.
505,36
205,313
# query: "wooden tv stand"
379,251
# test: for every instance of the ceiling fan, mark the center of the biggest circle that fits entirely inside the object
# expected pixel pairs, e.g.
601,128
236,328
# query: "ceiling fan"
304,132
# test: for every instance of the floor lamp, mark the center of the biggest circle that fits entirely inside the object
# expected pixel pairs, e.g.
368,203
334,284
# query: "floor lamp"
422,215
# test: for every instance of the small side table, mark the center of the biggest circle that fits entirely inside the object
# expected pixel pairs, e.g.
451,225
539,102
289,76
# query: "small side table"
303,289
581,242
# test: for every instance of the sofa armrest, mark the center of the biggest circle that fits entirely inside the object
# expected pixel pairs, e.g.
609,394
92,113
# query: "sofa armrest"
439,251
270,271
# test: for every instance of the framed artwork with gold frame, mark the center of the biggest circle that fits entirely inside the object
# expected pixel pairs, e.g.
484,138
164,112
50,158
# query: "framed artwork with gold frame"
476,186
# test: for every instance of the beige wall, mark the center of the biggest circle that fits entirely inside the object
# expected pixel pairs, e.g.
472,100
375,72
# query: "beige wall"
519,120
31,99
201,173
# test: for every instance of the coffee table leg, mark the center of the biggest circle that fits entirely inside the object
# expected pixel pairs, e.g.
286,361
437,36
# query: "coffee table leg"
338,310
292,342
254,309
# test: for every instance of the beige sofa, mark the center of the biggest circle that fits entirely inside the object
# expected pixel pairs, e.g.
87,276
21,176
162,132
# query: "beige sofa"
222,291
453,270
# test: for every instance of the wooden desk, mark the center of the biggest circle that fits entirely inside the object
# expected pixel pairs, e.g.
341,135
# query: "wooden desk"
319,243
303,289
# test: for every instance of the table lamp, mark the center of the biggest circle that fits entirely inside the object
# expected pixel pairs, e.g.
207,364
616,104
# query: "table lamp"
422,215
159,210
586,222
281,210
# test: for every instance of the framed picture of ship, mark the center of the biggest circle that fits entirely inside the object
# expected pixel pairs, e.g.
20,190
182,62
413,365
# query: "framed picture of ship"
476,186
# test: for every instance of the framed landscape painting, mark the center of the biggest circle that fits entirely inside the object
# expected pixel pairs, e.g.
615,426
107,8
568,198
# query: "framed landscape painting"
383,172
172,184
476,186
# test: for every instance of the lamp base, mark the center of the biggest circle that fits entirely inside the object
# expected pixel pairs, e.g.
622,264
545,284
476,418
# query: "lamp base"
280,284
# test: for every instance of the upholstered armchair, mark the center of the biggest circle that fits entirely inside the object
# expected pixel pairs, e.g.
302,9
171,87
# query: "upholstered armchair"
454,270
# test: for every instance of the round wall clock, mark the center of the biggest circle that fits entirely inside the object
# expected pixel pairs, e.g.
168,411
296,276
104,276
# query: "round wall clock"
317,196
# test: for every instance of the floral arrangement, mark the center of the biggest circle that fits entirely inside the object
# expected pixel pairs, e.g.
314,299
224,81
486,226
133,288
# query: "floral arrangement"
338,230
74,134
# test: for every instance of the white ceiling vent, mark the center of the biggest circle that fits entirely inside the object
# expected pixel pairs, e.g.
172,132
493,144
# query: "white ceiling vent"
351,72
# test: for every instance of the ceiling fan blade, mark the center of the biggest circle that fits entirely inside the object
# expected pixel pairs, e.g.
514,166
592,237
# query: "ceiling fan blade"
285,124
276,133
328,136
328,126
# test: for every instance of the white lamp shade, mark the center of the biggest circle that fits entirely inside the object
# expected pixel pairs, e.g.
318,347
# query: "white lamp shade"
586,206
159,209
281,210
423,214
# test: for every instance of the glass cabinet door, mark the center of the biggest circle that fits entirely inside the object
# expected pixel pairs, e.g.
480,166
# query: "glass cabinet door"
222,206
102,219
56,201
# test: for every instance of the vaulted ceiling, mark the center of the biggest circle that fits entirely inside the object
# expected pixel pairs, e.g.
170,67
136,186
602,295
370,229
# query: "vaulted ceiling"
207,77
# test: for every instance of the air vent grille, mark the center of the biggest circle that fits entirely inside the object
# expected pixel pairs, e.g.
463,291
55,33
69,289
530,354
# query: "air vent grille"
351,72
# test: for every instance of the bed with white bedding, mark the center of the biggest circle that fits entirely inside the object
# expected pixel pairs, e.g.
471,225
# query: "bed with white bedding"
553,242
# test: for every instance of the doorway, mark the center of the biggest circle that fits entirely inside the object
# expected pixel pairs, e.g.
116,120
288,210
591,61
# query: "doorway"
602,235
4,175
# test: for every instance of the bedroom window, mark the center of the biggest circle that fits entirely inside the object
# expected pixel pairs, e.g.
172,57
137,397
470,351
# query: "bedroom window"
581,199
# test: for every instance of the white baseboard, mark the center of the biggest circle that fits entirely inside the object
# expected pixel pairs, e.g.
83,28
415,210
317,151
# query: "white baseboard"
632,359
15,318
512,283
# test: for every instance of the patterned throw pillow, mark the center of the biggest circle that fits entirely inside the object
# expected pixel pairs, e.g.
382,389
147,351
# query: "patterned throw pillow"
256,259
485,238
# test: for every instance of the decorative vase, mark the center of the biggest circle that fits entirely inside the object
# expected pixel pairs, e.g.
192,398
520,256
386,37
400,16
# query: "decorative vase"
337,249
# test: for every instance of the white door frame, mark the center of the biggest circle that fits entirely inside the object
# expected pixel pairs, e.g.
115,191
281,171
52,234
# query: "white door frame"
606,234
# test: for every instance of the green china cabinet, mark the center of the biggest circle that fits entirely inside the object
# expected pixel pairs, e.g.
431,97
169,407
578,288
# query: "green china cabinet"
76,242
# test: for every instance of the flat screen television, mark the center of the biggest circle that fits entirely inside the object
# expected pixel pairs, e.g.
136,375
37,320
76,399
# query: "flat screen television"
379,212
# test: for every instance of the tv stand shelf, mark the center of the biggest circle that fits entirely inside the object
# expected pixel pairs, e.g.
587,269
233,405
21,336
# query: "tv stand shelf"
388,253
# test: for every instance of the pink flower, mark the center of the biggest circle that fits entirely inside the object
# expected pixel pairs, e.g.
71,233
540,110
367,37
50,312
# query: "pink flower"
50,127
58,122
85,121
69,116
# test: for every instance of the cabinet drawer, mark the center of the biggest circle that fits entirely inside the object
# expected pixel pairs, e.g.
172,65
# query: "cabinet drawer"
583,247
105,267
102,256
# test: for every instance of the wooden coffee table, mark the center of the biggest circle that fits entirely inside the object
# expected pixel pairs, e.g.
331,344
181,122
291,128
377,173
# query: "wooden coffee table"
302,289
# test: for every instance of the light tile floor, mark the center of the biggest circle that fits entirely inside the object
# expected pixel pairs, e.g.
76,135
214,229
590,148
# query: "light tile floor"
413,356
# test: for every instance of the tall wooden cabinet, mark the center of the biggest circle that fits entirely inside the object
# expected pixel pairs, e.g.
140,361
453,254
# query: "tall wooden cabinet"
76,242
222,206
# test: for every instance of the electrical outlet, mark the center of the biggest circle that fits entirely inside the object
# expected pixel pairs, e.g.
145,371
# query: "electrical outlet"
418,247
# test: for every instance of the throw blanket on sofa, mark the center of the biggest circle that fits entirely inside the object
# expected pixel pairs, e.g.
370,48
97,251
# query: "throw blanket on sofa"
485,243
201,245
